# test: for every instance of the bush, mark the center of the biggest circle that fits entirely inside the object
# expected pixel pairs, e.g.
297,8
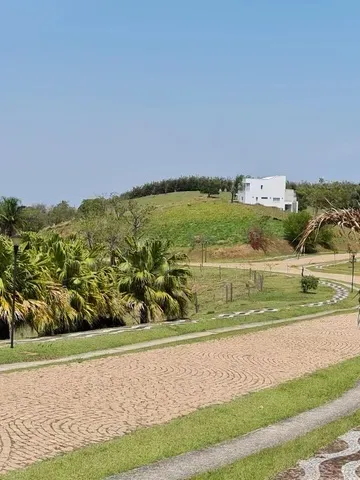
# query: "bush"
309,282
258,239
294,226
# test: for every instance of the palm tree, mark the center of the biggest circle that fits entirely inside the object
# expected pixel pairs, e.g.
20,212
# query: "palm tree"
90,285
152,281
348,219
11,217
33,288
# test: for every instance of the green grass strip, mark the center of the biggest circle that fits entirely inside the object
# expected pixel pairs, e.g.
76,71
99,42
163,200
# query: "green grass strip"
27,352
204,427
266,464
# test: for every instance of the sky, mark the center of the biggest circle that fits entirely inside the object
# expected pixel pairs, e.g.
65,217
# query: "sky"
97,96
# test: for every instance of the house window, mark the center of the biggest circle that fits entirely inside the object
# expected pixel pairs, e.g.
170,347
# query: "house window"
257,198
262,186
264,198
276,199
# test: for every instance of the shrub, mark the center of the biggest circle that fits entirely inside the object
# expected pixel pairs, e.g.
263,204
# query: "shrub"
309,282
257,238
294,226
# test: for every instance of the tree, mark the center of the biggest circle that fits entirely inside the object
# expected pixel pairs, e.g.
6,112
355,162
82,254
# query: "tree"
294,226
89,284
355,198
35,218
102,222
34,287
61,285
152,281
211,188
137,217
11,215
237,183
92,206
62,212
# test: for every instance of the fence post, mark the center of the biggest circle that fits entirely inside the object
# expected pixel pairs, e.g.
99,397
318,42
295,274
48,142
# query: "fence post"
231,292
261,282
196,303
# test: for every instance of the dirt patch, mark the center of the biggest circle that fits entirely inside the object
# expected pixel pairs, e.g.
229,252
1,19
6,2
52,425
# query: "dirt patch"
241,251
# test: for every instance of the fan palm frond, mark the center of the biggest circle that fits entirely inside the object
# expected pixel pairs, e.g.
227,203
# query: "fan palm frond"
346,219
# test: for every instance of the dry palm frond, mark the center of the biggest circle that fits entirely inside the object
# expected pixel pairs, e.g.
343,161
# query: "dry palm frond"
348,219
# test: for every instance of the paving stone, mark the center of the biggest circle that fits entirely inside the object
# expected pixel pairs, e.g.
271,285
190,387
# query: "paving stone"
51,410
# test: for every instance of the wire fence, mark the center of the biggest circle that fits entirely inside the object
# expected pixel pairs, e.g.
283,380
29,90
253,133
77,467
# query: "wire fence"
224,286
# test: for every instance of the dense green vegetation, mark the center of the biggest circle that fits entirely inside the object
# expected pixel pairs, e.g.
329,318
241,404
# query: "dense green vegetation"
63,285
323,194
294,226
319,195
190,211
209,185
33,217
212,425
187,219
278,291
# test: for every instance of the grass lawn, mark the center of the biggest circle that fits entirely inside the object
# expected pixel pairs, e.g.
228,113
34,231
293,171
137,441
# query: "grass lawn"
210,305
205,427
344,268
279,291
266,464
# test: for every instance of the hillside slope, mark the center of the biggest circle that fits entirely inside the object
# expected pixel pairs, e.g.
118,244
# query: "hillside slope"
186,216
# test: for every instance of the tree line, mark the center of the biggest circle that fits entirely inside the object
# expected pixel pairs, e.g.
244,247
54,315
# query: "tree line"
101,223
72,283
191,183
324,195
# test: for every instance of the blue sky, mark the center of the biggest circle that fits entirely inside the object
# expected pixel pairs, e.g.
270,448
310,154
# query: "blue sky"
97,96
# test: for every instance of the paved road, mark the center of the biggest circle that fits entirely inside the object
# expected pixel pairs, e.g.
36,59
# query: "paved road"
293,266
56,409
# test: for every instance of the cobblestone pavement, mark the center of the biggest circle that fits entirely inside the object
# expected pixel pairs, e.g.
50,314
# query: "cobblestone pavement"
338,461
56,409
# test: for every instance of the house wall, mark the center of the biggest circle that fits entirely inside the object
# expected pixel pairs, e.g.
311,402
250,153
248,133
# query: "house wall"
269,192
291,202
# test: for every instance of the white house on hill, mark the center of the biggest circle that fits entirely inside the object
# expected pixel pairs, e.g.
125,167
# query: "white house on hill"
268,191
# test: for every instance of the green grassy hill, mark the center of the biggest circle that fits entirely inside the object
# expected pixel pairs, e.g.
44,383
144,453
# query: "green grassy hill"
187,217
184,216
